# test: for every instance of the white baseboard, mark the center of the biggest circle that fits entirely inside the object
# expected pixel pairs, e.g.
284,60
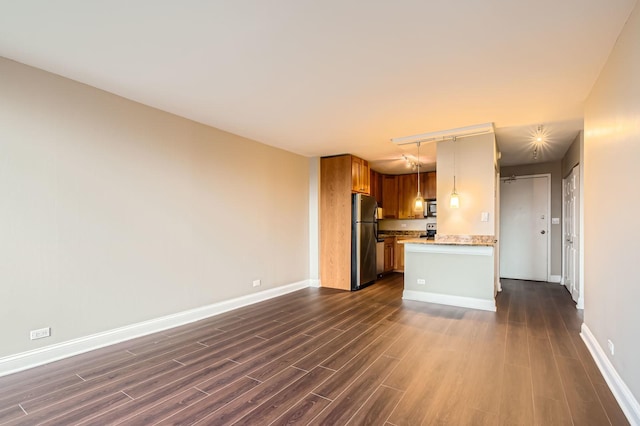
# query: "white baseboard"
314,283
555,278
445,299
621,392
24,360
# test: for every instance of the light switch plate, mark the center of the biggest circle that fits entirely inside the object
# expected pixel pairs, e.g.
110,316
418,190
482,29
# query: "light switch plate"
484,216
555,221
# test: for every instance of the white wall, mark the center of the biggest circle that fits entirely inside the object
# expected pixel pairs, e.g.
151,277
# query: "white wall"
112,212
475,183
612,205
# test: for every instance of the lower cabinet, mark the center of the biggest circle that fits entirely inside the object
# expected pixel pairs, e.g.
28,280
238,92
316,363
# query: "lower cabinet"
389,258
398,264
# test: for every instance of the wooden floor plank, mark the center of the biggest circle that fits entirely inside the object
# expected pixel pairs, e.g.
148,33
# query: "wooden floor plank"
252,399
388,361
584,404
307,408
352,370
282,401
613,410
203,408
347,404
551,412
279,364
517,350
516,401
544,371
74,413
427,377
377,408
154,407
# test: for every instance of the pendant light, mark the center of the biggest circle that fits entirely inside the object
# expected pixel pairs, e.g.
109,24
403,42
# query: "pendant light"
419,202
454,201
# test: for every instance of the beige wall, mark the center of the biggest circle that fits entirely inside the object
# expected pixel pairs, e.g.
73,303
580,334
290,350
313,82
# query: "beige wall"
555,169
572,156
113,213
475,183
611,205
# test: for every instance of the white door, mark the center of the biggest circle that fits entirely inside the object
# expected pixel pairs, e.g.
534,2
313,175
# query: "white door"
524,227
571,232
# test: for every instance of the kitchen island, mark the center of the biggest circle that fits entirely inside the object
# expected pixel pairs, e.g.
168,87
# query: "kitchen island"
451,270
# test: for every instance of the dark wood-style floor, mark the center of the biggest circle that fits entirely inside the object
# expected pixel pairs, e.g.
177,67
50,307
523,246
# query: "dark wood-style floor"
319,356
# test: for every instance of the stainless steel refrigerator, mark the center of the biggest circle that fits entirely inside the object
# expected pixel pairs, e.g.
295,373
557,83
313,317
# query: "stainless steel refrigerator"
364,231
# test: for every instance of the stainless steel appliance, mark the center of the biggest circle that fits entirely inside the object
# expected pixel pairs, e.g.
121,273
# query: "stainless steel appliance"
431,231
364,224
431,208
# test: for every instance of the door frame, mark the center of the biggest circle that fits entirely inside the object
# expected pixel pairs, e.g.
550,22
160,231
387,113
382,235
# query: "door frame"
548,212
579,210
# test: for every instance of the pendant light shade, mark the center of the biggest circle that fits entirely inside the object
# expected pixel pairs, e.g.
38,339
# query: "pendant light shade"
418,207
454,201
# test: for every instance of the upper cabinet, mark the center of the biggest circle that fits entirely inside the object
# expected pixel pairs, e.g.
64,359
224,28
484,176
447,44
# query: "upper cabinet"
390,196
407,190
398,193
428,185
375,185
360,179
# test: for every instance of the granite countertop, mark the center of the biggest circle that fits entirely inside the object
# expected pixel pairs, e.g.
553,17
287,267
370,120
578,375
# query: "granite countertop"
455,240
444,243
404,234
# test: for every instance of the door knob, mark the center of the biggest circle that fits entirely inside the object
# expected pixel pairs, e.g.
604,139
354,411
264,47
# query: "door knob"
543,232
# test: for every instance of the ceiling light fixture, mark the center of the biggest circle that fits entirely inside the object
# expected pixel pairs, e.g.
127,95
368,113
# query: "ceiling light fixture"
419,202
454,200
538,140
539,134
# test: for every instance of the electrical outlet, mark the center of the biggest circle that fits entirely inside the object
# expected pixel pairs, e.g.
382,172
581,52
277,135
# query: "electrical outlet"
484,217
611,348
256,283
403,225
421,281
40,333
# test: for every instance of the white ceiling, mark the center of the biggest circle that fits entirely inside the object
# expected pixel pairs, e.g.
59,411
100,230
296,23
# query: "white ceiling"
328,77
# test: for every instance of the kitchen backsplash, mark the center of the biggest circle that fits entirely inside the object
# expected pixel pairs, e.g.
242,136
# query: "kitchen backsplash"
405,224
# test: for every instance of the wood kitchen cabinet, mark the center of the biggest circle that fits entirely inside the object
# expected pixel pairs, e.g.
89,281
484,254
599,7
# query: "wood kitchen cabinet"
375,185
390,196
360,175
428,184
389,258
339,175
407,190
398,264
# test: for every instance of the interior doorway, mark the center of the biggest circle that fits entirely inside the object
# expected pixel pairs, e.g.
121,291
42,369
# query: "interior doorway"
571,233
525,204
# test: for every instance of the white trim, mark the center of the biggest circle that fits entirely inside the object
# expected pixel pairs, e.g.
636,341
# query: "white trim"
555,278
314,283
447,249
618,387
562,230
445,299
24,360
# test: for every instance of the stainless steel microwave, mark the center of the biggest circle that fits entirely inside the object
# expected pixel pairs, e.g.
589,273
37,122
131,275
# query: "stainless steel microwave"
431,209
